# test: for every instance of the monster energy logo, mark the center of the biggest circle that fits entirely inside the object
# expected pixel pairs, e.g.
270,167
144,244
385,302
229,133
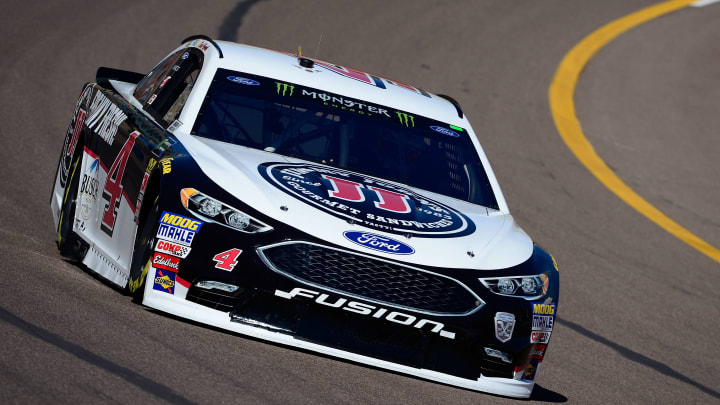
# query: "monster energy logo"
284,88
406,119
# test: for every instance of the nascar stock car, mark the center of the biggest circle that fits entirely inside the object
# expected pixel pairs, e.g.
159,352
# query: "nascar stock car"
308,204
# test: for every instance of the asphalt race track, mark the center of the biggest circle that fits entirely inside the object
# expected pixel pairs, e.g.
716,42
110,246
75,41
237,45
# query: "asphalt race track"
639,309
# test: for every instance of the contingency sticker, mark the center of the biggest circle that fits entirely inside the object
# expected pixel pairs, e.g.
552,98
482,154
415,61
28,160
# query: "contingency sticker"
177,228
542,322
164,281
166,262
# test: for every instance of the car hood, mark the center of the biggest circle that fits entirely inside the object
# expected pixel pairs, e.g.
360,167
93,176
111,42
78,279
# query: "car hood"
363,213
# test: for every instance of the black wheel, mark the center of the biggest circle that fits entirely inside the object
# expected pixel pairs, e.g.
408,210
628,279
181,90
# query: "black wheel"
71,246
142,252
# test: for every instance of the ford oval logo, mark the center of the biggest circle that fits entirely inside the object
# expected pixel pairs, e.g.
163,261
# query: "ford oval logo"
379,243
243,80
445,131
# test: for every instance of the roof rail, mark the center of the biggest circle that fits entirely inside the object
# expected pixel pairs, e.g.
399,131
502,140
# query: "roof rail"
454,103
206,38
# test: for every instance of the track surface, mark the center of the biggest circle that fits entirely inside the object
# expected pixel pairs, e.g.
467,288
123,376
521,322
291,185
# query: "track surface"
638,311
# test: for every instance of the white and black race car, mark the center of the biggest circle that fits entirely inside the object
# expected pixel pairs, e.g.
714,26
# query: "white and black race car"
308,204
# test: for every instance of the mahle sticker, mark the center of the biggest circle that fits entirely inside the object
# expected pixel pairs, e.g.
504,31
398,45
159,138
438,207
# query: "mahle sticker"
367,201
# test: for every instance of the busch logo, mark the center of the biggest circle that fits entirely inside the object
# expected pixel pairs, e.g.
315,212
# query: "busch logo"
90,186
367,309
406,119
504,325
377,242
368,201
284,88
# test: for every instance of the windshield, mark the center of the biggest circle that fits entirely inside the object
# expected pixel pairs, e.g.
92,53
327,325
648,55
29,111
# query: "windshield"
335,130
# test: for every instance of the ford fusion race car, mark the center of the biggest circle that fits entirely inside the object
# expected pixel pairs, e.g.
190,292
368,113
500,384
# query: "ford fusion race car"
308,204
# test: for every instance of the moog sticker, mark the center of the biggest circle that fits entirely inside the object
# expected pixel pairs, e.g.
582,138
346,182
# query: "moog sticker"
367,201
177,228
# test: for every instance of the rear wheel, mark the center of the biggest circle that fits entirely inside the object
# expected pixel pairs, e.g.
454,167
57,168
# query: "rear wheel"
71,246
144,245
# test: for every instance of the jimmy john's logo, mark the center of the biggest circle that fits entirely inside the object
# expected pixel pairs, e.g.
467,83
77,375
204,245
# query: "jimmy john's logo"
367,201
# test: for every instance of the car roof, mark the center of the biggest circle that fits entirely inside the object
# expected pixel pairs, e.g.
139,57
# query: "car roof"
336,79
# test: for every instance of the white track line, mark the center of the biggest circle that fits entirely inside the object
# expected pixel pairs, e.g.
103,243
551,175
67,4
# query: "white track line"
703,3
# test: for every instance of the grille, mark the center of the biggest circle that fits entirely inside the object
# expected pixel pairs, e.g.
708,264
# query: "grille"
372,279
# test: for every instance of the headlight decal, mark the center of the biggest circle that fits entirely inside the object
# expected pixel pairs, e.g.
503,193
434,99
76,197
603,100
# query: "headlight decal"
212,210
528,287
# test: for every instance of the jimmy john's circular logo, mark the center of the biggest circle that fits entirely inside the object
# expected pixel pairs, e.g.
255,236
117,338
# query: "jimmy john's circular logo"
367,201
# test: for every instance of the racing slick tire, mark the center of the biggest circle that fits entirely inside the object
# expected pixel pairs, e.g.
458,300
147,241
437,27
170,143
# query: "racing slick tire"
71,246
142,252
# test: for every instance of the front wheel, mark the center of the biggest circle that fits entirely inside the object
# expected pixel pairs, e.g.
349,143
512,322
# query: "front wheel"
71,246
142,252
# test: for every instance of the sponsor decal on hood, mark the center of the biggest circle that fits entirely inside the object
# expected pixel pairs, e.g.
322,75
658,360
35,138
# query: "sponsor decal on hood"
366,200
379,243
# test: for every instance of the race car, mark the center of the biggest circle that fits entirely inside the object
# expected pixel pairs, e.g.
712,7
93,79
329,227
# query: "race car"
308,204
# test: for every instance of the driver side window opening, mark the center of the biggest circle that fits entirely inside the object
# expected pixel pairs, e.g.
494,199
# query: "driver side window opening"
164,91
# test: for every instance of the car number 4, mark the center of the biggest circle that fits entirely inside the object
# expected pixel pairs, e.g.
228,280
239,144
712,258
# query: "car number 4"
227,259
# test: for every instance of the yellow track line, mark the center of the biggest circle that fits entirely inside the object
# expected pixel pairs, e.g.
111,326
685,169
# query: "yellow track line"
562,106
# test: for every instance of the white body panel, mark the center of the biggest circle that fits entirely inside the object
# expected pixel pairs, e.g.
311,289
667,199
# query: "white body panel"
495,244
178,306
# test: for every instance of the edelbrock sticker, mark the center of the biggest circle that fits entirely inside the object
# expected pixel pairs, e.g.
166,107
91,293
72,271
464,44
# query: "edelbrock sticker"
379,243
166,262
445,131
243,80
366,200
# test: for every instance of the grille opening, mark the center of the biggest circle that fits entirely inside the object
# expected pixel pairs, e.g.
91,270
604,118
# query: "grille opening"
369,278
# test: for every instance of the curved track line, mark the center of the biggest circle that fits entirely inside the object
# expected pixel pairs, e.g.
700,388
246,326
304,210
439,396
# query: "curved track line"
562,106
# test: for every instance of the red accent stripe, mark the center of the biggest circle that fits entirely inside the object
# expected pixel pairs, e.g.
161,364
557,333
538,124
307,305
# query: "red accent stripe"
182,282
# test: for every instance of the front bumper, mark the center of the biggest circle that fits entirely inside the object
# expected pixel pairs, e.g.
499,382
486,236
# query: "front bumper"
177,305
